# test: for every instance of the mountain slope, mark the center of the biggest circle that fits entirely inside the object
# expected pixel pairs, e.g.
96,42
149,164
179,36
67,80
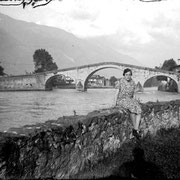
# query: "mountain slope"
20,39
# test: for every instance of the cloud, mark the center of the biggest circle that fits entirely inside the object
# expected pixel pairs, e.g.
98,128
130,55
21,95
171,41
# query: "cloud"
82,15
144,30
87,18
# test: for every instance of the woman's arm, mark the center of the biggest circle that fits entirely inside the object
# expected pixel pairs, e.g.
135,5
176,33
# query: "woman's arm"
117,87
134,90
116,97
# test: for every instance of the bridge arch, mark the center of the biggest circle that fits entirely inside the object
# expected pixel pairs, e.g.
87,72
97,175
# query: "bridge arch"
96,70
171,80
49,82
140,75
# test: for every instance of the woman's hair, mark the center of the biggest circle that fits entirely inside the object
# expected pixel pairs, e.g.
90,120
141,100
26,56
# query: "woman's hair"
127,70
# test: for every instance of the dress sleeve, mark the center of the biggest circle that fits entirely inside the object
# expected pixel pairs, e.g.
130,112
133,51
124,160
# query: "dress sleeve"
134,85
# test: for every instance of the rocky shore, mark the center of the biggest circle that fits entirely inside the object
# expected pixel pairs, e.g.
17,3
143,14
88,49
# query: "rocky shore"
91,146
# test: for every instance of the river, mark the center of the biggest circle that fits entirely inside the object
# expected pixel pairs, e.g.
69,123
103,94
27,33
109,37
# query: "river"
29,107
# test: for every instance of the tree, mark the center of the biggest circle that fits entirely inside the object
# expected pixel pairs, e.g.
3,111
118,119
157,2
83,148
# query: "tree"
112,80
169,86
1,71
43,61
169,65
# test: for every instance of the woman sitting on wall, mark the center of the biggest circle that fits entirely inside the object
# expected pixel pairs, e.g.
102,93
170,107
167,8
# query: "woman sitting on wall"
124,97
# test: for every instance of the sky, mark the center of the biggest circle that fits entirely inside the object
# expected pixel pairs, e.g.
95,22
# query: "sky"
147,31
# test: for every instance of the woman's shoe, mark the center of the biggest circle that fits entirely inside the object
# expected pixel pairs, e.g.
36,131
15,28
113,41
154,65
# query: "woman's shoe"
136,133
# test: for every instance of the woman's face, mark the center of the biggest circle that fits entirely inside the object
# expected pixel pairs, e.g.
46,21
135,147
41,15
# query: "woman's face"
128,76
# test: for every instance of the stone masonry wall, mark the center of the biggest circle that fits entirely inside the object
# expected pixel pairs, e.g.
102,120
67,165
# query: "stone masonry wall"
24,82
58,150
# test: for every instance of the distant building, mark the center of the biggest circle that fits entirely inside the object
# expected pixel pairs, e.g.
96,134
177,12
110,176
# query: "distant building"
69,80
97,81
108,83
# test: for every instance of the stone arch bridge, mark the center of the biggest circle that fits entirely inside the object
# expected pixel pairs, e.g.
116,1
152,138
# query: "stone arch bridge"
80,75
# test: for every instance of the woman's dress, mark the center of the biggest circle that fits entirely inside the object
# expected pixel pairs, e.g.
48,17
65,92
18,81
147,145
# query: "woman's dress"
125,96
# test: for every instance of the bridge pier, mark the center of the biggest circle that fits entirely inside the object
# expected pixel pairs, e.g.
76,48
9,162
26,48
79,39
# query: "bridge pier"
81,89
139,87
178,88
80,86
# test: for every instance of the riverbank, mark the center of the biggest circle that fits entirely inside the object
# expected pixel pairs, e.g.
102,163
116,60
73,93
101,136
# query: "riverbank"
93,145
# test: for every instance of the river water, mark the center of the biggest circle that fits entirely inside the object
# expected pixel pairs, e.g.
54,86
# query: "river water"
29,107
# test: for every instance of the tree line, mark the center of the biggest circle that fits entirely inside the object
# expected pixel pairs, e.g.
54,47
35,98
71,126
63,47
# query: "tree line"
1,71
43,61
168,65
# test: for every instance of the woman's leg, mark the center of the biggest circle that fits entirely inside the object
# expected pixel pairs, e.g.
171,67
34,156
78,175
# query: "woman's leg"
133,119
138,121
134,130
